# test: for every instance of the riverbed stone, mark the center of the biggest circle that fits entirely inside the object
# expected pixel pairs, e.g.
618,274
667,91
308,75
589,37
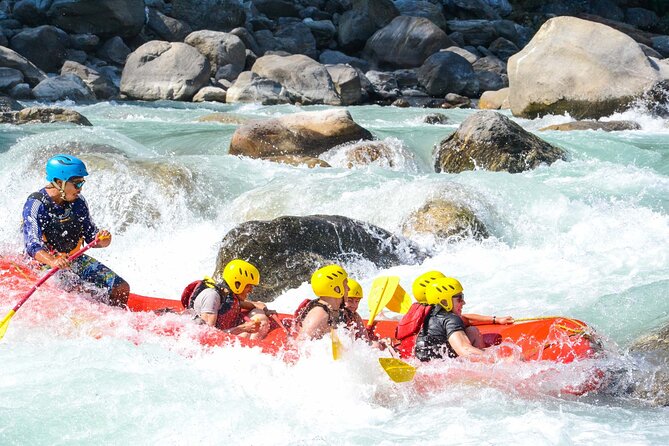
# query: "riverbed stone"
405,43
586,69
219,48
44,115
445,220
654,349
306,133
107,18
164,70
302,76
287,250
11,59
491,141
607,126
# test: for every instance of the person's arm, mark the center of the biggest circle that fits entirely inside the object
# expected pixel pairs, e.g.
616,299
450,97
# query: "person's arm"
251,305
209,304
314,325
209,318
33,213
478,319
462,346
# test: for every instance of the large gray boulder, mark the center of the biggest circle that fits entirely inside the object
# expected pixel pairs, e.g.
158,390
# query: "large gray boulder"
11,59
45,46
405,43
167,28
163,70
302,76
107,18
214,15
296,38
9,78
101,86
446,72
422,8
249,87
491,141
287,250
307,133
347,83
219,48
358,24
586,69
66,86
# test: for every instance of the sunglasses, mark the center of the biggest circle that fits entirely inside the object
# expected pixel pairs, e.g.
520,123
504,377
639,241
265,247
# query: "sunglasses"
459,296
79,184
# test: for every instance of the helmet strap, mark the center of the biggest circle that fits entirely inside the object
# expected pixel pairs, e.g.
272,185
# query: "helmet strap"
61,188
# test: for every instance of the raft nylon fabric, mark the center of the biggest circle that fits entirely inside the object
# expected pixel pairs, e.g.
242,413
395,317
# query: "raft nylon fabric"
5,321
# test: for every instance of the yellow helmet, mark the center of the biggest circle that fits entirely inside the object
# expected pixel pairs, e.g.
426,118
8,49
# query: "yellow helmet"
443,289
354,289
420,284
329,281
238,273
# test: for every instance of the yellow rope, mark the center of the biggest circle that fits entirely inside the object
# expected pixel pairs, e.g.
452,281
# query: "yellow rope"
537,318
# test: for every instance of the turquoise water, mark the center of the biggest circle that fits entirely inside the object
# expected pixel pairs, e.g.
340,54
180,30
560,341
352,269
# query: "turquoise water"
586,238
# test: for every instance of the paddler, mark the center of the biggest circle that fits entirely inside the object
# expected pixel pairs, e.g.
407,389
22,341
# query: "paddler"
226,305
56,223
412,321
444,332
318,316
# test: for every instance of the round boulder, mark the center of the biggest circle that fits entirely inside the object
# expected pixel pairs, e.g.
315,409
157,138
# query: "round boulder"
444,220
287,250
307,134
405,43
491,141
162,70
586,69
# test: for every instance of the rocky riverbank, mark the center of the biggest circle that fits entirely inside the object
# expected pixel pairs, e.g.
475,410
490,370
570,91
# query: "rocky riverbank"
533,57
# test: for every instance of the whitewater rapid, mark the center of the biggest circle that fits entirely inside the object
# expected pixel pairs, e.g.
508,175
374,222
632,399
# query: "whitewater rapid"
586,238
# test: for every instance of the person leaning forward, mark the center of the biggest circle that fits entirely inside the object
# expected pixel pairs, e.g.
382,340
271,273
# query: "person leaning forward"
221,305
444,333
56,223
330,284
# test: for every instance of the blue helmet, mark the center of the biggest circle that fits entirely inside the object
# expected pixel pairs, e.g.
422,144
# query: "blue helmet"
64,167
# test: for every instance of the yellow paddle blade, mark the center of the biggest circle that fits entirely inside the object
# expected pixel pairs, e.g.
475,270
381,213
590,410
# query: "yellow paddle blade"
383,290
398,370
400,302
5,323
336,345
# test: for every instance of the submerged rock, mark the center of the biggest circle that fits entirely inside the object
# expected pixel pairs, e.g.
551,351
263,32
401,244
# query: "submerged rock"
287,250
491,141
608,126
653,384
445,219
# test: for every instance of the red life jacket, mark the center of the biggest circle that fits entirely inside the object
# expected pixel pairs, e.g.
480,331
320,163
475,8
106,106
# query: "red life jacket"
408,328
232,316
230,313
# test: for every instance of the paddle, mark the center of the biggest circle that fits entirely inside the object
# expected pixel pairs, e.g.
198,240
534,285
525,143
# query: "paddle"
398,370
387,292
336,345
5,321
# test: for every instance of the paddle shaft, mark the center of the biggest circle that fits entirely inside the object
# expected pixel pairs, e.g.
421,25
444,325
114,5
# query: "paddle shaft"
51,272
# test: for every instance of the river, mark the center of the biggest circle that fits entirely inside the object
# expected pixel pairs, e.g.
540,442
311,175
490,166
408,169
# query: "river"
586,238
